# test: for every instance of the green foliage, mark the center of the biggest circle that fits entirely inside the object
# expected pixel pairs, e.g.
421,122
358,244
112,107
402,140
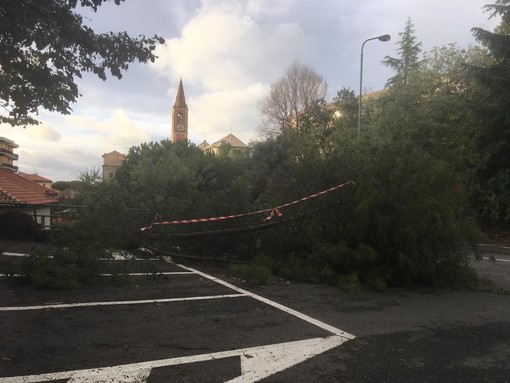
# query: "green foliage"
407,218
7,268
74,268
45,47
61,185
346,110
89,179
254,274
408,60
179,181
404,223
415,174
60,270
493,112
350,283
410,211
101,220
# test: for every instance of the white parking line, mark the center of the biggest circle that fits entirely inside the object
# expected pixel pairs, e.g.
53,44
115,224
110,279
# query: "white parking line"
10,254
256,362
288,310
491,259
496,259
121,259
156,273
124,259
151,273
116,303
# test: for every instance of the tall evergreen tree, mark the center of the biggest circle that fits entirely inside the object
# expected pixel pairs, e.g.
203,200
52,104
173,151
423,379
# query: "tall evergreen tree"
408,51
494,114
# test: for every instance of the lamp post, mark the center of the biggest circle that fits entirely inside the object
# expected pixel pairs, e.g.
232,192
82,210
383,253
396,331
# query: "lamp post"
380,38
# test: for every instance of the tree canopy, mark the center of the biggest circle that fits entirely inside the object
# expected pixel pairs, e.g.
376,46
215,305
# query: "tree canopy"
431,164
493,111
290,98
409,50
45,46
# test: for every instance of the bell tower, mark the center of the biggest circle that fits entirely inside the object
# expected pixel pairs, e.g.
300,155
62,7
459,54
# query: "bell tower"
180,116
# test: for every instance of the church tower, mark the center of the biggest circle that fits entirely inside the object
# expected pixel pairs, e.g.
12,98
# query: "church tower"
180,116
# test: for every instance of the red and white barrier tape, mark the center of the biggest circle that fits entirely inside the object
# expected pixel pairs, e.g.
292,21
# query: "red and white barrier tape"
273,211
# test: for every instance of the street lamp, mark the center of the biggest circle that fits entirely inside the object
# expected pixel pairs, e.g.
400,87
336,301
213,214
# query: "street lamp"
380,38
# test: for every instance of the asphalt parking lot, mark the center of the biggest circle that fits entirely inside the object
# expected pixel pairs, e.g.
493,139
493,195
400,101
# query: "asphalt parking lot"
194,323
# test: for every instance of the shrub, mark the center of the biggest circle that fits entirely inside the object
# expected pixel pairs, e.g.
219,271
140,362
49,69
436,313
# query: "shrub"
349,283
253,274
60,270
7,268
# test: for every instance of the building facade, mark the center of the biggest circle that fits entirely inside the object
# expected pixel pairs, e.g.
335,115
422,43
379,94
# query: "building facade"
7,155
111,162
39,180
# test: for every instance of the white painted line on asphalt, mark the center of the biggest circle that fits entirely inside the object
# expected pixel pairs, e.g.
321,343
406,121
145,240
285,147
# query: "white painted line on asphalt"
256,363
156,273
117,303
151,273
496,259
129,259
9,254
495,247
490,259
130,274
288,310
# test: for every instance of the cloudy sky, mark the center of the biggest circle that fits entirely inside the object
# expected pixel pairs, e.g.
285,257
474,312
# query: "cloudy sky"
227,52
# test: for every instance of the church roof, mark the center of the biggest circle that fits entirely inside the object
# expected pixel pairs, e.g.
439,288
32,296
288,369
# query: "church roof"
114,153
203,145
230,139
180,100
14,189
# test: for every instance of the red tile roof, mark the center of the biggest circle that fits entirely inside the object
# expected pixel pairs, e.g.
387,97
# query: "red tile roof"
34,177
15,189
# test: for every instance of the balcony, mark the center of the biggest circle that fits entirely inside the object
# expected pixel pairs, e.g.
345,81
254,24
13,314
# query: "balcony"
9,154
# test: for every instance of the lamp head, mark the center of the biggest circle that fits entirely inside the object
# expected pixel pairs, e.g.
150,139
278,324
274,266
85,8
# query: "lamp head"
384,38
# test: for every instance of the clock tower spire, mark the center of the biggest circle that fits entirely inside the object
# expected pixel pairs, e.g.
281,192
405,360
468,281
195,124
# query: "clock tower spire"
180,116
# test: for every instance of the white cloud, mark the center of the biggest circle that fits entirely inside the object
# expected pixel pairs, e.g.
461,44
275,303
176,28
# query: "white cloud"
44,132
78,144
119,130
269,7
250,7
227,52
216,114
225,46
